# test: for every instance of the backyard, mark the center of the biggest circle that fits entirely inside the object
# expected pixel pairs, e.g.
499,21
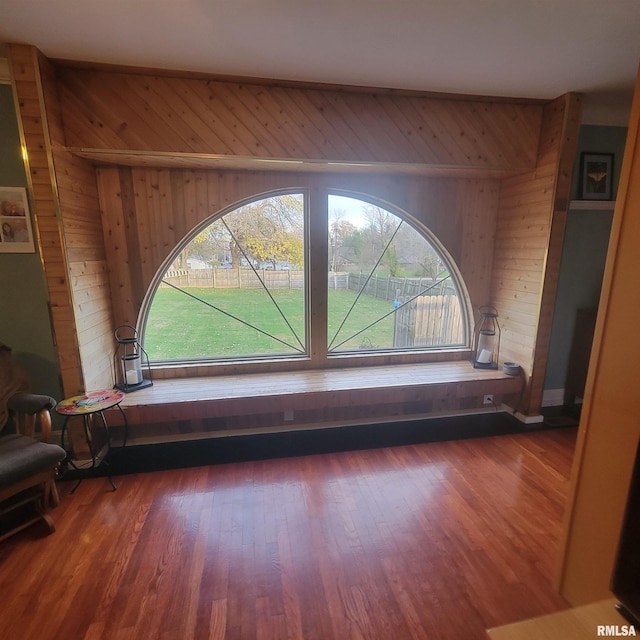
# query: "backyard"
181,327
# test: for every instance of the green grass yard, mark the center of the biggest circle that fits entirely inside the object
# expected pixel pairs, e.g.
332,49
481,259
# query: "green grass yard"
180,327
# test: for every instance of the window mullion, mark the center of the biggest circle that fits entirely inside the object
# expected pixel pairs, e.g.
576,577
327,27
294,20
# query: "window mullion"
318,256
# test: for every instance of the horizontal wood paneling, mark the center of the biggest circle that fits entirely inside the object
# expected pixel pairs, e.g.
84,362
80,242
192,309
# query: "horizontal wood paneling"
244,120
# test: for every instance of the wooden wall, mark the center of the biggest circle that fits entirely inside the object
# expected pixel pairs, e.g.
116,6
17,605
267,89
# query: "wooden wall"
151,210
170,151
25,72
85,254
528,246
67,224
246,120
70,245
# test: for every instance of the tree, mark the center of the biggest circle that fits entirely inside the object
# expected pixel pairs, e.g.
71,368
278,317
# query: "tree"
269,230
340,230
415,251
381,227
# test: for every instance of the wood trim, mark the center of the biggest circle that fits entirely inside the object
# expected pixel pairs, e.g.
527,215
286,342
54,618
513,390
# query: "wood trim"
68,229
35,137
174,160
571,105
592,205
529,233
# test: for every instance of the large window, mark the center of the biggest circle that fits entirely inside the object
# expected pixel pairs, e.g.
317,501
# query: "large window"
252,283
388,286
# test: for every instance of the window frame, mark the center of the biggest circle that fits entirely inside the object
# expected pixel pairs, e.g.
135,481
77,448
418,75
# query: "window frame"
316,238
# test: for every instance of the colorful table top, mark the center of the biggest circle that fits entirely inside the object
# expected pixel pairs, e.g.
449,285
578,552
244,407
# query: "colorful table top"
90,402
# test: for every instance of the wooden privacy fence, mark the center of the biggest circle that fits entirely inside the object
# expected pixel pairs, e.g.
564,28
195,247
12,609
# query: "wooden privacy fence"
234,278
379,287
391,288
429,321
432,318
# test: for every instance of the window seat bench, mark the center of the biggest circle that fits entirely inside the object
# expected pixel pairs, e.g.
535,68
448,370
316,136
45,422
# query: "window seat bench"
178,408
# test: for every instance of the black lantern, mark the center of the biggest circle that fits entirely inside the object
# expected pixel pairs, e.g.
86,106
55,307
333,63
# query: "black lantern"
130,361
486,339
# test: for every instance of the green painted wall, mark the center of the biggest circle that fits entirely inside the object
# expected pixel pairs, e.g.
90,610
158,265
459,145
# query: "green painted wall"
24,313
583,255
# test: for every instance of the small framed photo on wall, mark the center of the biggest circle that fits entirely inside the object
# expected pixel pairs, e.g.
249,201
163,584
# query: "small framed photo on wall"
16,235
596,176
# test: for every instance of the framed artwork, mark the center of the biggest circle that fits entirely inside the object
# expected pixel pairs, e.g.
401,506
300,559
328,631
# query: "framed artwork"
596,176
16,235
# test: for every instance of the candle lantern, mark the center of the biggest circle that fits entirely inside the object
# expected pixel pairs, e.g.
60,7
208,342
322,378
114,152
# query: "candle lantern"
131,362
486,339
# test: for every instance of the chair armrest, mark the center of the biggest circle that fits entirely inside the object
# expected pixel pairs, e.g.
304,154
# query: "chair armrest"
26,406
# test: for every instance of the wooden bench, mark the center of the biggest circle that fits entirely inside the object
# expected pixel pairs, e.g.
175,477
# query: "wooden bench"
288,400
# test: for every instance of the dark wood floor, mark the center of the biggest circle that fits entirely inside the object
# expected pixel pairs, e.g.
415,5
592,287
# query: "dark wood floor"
437,541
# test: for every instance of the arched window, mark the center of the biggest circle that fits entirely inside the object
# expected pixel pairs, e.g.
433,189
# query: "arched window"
240,286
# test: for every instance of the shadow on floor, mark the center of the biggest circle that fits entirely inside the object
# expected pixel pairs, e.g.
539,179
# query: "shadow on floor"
221,450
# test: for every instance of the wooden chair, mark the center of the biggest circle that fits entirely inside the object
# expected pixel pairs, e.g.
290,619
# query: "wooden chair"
28,465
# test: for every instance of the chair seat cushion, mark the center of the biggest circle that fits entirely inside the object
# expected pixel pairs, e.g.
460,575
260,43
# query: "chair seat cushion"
21,457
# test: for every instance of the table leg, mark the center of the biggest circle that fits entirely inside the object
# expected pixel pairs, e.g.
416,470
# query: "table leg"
126,425
89,440
108,435
68,459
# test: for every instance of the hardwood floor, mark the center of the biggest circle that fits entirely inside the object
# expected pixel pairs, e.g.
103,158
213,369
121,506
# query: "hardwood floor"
437,541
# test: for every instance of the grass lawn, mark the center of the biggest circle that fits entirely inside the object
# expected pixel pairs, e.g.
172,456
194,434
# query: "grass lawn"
180,327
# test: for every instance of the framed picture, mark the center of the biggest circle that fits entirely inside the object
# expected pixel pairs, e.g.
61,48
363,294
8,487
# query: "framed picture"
16,235
596,176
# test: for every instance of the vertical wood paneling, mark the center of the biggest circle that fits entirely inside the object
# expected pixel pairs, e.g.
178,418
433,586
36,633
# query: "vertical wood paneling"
145,212
82,229
568,108
168,204
25,67
116,233
68,227
532,210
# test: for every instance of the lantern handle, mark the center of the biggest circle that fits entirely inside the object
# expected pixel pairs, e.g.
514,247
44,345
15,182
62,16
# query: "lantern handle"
123,340
491,312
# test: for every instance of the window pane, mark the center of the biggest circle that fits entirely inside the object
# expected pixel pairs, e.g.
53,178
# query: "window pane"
237,289
388,286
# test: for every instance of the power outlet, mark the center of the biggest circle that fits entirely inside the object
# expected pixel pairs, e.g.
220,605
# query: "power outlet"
488,399
288,415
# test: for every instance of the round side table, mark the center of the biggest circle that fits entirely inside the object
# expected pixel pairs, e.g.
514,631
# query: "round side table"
86,406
